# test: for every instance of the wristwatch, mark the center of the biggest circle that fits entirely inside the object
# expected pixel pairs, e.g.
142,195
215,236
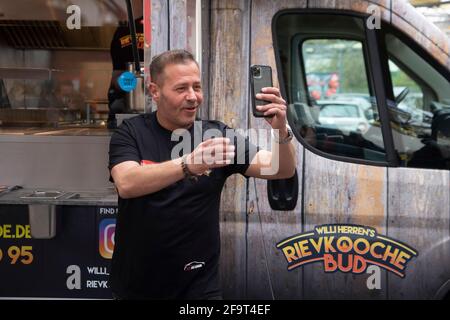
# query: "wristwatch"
285,140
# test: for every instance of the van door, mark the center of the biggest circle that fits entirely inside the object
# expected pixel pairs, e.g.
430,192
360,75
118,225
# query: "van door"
353,139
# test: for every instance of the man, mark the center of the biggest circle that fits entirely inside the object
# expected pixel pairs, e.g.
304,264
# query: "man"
167,242
122,53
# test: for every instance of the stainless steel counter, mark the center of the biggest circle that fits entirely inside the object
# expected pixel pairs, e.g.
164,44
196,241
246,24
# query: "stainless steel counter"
69,163
106,197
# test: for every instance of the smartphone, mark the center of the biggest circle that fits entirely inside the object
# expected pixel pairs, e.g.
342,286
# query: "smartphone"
260,77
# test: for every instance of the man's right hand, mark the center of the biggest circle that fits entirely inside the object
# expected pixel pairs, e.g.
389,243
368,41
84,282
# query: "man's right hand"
212,153
134,180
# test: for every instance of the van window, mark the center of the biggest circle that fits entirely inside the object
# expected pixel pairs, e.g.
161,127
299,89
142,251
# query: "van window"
331,102
420,114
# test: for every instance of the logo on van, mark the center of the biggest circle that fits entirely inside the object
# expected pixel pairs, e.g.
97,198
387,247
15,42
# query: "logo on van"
347,248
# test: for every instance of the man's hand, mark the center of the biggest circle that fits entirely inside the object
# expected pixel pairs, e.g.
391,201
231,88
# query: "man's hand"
275,111
280,162
212,153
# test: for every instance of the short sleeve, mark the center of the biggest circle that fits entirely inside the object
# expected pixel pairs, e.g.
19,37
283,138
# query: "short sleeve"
245,151
122,147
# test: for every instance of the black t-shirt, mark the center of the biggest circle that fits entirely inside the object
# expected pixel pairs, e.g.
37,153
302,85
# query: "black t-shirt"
167,244
121,49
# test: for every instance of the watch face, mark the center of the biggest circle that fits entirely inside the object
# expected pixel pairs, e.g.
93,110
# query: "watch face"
276,137
289,136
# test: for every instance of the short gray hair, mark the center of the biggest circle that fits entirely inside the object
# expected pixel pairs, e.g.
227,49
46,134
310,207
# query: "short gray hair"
160,61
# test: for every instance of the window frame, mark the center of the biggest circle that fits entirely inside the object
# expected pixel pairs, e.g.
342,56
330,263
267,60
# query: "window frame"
384,66
411,44
369,71
389,29
379,77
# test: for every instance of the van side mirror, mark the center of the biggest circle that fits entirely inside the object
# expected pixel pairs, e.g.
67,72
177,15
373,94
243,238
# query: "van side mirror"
283,194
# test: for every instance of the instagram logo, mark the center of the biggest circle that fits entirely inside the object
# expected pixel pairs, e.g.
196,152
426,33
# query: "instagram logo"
106,237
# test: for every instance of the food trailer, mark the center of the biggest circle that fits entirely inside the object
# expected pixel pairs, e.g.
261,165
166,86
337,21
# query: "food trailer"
367,215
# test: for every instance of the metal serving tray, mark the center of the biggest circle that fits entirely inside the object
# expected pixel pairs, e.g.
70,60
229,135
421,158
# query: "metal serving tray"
44,195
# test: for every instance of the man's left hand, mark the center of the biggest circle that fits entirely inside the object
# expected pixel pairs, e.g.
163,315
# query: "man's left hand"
275,111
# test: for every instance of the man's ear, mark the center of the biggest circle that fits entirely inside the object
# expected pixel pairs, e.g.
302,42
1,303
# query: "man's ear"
154,91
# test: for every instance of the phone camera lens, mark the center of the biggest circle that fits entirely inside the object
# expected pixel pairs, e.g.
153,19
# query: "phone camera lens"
257,72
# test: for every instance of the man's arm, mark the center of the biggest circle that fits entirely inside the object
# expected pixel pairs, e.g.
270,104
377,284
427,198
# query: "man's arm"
280,162
133,180
263,165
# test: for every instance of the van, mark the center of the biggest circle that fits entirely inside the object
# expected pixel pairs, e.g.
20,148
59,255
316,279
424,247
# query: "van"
387,188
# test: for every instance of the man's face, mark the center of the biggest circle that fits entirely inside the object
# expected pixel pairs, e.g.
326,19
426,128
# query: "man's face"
178,95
